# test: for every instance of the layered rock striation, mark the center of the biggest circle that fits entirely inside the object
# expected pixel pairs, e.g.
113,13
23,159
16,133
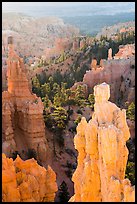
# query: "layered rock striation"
102,153
26,181
23,125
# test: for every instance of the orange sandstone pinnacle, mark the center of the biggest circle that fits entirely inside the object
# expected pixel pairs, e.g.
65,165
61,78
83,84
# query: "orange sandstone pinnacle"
102,158
23,125
26,181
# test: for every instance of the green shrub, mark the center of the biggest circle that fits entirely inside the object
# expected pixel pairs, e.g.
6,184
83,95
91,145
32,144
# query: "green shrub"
131,111
130,172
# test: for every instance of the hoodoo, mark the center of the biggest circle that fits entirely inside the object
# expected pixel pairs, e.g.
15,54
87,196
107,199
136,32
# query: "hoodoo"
102,153
23,125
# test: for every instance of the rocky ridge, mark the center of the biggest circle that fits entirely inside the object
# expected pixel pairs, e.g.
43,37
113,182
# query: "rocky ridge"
37,32
111,31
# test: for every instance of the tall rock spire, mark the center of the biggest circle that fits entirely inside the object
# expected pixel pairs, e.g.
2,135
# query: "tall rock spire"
26,128
17,81
110,54
102,153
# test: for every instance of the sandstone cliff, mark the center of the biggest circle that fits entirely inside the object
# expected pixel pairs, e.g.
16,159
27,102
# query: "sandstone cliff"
125,51
102,153
118,72
26,181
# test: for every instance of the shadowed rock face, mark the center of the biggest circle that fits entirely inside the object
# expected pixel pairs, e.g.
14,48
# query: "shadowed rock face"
22,112
102,153
26,181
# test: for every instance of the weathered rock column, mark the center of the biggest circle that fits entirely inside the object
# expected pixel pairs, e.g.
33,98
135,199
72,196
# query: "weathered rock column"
110,54
23,123
103,154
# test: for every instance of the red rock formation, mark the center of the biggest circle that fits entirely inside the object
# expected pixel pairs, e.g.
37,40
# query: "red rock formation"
110,54
75,46
94,64
123,30
112,71
61,45
22,111
26,181
82,43
102,158
125,51
131,125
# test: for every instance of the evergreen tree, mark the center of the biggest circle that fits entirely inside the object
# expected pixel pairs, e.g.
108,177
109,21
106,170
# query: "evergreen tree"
51,80
78,119
59,118
63,192
131,111
35,82
57,100
47,103
36,86
130,172
56,88
45,89
91,99
80,95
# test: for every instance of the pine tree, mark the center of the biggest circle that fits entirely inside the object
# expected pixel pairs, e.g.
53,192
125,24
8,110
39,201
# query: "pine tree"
131,111
47,103
91,100
45,89
57,100
56,88
63,194
36,86
59,117
80,95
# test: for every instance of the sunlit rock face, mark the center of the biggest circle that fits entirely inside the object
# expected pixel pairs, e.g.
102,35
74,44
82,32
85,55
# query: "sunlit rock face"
23,125
26,181
102,153
119,72
110,54
125,51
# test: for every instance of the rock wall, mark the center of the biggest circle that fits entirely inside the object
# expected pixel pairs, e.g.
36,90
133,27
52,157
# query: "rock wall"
61,45
23,125
125,51
114,72
26,181
102,153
